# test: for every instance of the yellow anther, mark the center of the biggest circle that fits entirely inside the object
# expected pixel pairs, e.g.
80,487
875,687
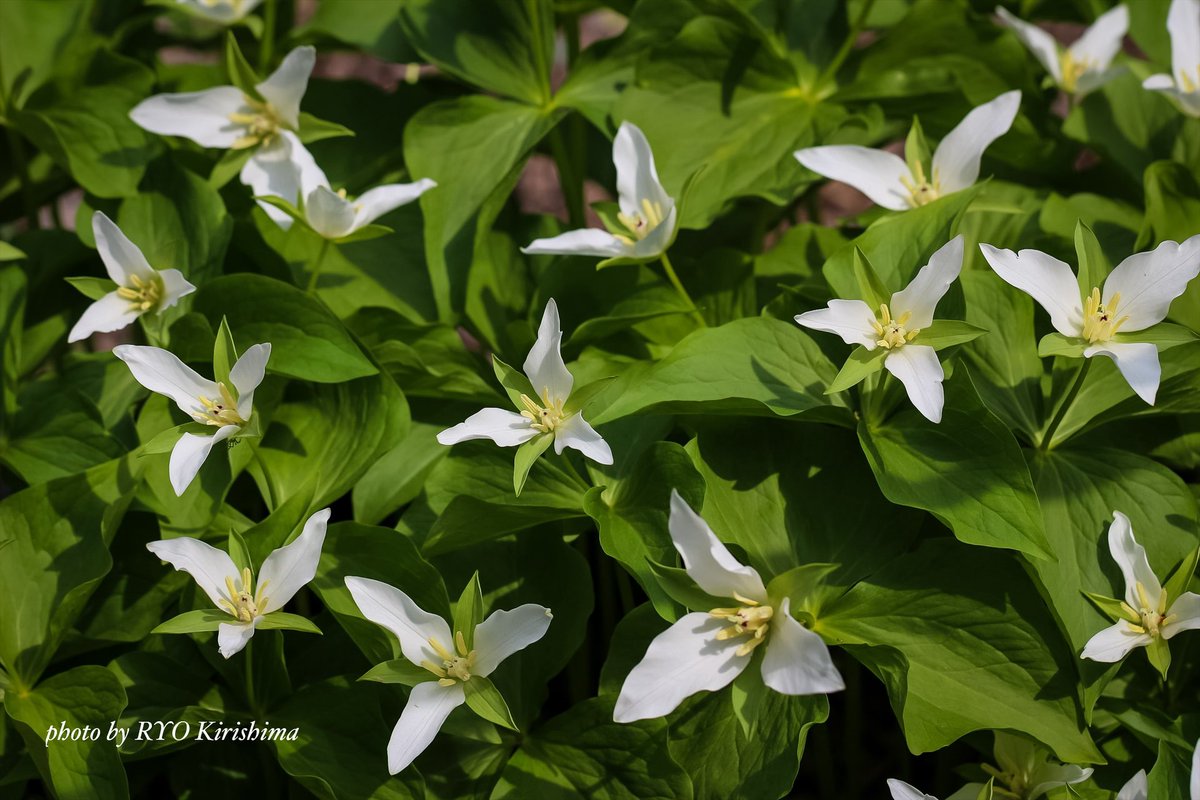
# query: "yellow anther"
242,603
219,412
891,332
920,190
262,122
1152,614
544,418
1072,69
751,619
1189,83
460,643
637,226
145,295
454,667
1100,320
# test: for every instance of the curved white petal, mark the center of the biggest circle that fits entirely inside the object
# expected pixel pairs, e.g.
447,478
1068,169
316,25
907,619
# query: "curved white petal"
1195,788
121,257
507,632
1148,282
1136,789
544,365
1054,776
374,203
797,660
505,428
283,169
247,374
162,372
1102,41
190,453
918,368
1159,83
1188,102
707,561
1044,278
1113,643
1131,559
659,239
428,706
110,313
1138,363
956,160
1183,23
233,636
1039,42
575,432
202,117
684,659
904,791
329,214
175,286
207,565
1184,614
583,242
285,87
853,320
921,296
388,606
878,174
288,569
223,11
637,179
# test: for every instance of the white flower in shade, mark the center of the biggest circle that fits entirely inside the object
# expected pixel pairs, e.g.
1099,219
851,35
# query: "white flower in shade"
1138,788
547,413
897,327
284,572
706,651
903,791
1107,322
226,12
1183,84
1084,66
886,178
334,215
426,641
141,289
227,118
1150,615
227,409
1024,770
645,226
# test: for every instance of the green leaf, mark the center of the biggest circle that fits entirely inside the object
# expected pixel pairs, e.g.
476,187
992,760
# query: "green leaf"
93,288
485,700
283,621
1094,266
1111,607
527,454
1055,344
200,621
398,476
800,583
861,364
468,611
1171,776
681,588
945,333
398,670
1181,578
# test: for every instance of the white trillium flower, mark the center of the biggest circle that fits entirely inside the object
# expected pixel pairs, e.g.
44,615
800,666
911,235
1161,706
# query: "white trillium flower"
706,651
903,791
897,327
1084,66
1136,295
1183,84
226,409
225,12
1025,770
646,223
549,377
1149,613
284,572
227,118
886,178
1138,787
141,289
426,641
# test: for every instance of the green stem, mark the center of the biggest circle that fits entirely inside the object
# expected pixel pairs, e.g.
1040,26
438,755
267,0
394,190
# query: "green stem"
848,43
266,50
316,267
570,179
687,298
1065,406
17,148
532,7
251,694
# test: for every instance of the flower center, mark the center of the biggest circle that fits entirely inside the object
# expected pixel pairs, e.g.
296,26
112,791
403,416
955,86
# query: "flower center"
639,225
749,619
1072,69
261,122
1100,321
891,332
219,412
1189,82
920,190
544,418
144,295
1148,617
1014,784
242,603
455,666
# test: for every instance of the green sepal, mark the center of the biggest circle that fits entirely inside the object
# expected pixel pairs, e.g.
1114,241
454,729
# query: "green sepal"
679,586
799,584
607,211
514,383
861,364
623,261
485,700
241,74
527,455
239,552
468,612
313,129
1159,653
398,670
10,253
364,233
747,694
1093,264
252,24
943,333
1178,583
1055,344
201,621
283,205
283,621
93,288
988,790
870,285
581,397
165,441
1111,607
225,354
228,166
916,149
1164,335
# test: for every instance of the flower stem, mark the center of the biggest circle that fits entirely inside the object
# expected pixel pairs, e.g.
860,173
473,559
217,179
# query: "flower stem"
848,43
266,50
569,179
251,695
687,298
17,147
316,267
1065,405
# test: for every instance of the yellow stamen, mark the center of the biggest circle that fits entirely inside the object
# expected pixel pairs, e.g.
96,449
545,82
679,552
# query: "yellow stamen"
1072,70
637,226
145,295
220,412
752,620
891,332
262,122
454,667
920,190
543,418
1100,320
1151,614
242,603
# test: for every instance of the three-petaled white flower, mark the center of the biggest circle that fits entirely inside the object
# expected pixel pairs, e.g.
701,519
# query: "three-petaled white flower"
1138,787
1183,84
225,12
1136,295
707,650
1150,615
1024,770
426,641
1084,66
141,289
284,572
645,226
549,412
897,327
905,791
226,409
226,117
886,178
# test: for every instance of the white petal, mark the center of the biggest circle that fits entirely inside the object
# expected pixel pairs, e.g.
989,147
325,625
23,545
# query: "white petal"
637,179
583,242
797,659
233,636
1189,102
285,87
505,428
1044,278
207,565
175,286
1183,23
1148,282
878,174
1137,789
918,368
223,11
288,569
388,606
903,791
544,365
162,372
1039,42
1131,559
202,117
921,296
507,632
1102,41
121,257
110,313
658,239
247,374
373,204
428,706
956,160
1054,776
1138,363
1113,643
283,169
707,561
853,320
190,453
1186,613
329,214
1196,772
575,432
684,659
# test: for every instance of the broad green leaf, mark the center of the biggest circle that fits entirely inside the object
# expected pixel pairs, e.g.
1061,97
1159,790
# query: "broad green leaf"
397,477
283,621
371,25
35,39
165,687
485,700
1171,776
56,431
